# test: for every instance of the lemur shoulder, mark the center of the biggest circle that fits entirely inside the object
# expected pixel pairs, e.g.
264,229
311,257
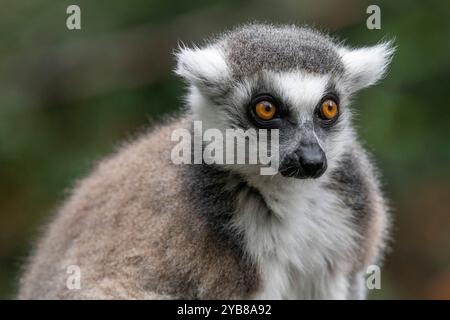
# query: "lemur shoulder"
141,227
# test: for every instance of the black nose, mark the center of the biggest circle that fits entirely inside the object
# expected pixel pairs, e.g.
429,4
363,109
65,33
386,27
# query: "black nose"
312,160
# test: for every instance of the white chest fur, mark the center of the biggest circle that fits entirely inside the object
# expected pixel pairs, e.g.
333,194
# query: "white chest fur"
303,247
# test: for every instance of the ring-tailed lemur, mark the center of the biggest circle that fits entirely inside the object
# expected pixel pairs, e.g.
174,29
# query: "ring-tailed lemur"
142,227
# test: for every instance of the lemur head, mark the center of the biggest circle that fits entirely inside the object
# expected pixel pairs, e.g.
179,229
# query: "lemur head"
293,79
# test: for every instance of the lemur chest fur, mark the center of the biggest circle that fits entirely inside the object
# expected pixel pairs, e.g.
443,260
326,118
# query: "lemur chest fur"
299,240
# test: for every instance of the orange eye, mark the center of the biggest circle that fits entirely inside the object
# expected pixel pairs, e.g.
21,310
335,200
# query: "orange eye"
329,109
265,110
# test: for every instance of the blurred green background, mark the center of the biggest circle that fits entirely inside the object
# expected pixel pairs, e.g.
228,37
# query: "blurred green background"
67,98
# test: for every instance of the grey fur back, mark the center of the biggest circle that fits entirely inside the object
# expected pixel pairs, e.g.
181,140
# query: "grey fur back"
137,232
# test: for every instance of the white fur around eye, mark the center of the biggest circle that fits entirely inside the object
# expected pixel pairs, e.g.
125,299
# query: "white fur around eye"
302,90
365,66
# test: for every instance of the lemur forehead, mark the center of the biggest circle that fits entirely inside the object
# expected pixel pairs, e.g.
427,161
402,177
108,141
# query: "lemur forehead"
252,48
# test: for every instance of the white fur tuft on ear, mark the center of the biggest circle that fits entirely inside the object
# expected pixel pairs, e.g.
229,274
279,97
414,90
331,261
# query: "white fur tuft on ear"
365,66
202,67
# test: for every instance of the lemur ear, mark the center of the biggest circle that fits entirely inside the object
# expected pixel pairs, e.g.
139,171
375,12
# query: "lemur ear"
204,68
365,66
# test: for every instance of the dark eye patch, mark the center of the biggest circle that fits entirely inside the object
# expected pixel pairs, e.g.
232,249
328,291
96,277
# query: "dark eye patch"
274,123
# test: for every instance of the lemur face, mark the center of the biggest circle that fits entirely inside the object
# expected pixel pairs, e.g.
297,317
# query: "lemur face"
292,79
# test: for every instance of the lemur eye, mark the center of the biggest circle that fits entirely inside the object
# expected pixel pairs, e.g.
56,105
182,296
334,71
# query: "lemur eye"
329,109
265,110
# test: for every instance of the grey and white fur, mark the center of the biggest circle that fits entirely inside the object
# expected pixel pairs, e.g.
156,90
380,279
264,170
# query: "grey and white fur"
140,227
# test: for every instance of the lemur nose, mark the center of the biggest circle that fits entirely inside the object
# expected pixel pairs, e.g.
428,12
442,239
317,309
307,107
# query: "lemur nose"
312,160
